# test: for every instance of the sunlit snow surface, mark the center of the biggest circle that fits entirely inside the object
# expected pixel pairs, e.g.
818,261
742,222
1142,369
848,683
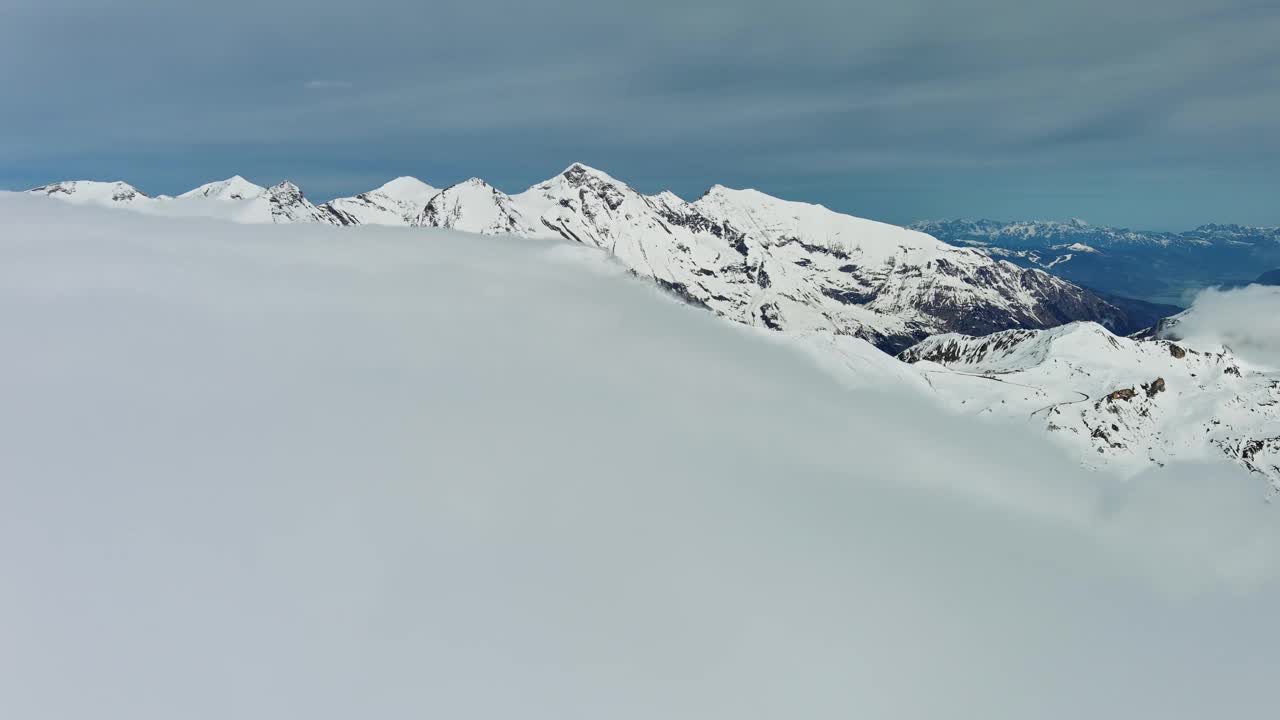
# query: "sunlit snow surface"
296,471
1122,404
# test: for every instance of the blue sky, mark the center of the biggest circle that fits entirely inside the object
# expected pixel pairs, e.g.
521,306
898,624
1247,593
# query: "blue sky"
1146,114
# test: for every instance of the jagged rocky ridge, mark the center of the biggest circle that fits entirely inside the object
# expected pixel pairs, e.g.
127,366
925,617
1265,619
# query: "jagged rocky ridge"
745,255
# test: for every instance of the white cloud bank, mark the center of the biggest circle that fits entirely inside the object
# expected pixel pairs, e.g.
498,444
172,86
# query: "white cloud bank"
1245,319
301,472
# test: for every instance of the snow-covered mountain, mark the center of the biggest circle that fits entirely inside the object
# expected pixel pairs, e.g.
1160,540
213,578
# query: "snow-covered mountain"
234,199
745,255
1121,403
233,188
1048,234
476,206
1234,234
395,203
784,265
92,192
287,204
238,200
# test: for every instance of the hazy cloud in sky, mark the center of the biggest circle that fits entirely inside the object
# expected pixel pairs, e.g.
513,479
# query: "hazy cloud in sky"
1148,113
326,85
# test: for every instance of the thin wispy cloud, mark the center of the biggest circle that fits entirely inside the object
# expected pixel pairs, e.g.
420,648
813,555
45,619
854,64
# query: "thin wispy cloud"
327,85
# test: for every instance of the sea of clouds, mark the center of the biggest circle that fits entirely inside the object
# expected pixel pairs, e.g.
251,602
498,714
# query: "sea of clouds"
1247,320
288,471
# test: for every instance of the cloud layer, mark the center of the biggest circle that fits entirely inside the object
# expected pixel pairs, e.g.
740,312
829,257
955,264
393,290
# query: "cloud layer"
287,471
1245,319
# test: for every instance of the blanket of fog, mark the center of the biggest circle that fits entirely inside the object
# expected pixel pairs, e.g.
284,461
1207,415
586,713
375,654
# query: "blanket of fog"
300,472
1245,319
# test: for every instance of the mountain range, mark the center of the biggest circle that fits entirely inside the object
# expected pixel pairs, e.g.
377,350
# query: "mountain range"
745,255
1156,267
880,304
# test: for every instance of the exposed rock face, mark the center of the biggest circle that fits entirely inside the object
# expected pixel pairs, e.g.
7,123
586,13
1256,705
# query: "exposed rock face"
288,204
1121,394
1260,455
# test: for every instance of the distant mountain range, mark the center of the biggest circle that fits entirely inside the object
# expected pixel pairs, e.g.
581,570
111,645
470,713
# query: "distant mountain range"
1160,267
745,255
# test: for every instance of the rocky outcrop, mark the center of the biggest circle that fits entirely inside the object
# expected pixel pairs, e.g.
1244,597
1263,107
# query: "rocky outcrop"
288,204
1121,394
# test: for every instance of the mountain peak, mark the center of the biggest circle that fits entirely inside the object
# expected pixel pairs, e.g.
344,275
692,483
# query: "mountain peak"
286,193
233,188
578,174
407,189
402,183
578,167
91,190
719,190
669,200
